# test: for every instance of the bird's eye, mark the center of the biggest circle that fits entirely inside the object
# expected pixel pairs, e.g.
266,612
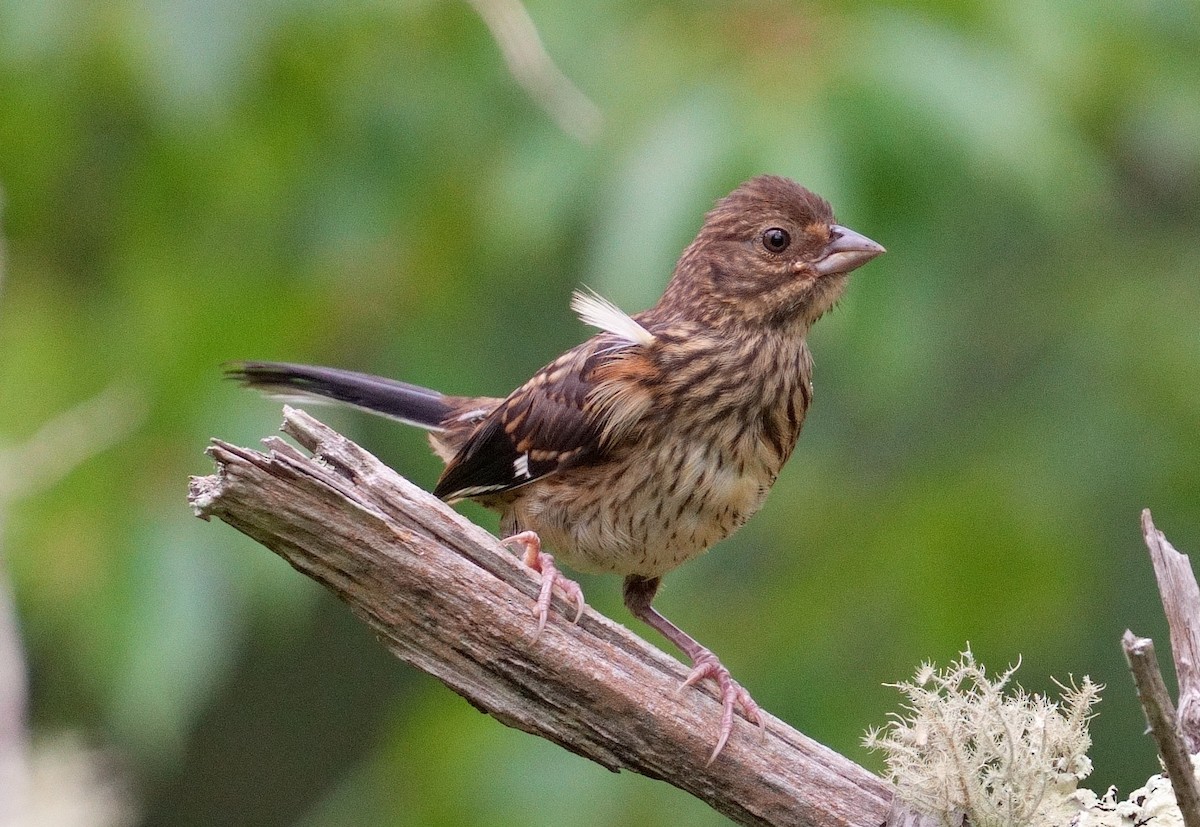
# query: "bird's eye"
776,239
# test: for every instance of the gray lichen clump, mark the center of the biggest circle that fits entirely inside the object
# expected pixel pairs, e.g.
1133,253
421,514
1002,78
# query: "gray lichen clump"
972,746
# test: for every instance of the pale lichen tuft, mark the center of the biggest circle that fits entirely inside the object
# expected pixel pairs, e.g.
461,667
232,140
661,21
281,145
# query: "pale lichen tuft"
979,746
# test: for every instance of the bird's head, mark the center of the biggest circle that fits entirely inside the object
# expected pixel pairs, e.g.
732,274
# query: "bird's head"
769,253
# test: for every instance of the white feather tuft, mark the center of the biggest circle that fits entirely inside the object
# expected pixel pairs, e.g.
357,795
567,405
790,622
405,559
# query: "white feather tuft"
594,309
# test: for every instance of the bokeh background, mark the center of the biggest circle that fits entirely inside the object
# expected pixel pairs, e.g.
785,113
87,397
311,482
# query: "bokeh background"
369,185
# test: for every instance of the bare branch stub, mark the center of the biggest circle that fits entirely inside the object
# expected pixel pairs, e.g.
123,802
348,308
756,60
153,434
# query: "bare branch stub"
1181,602
537,73
1160,714
445,597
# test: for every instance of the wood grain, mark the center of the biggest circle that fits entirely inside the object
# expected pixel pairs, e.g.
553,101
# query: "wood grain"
443,595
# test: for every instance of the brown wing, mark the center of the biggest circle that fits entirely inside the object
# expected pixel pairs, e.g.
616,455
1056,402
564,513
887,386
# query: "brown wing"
559,418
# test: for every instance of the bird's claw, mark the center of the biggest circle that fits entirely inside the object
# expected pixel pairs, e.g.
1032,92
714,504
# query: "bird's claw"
542,562
706,665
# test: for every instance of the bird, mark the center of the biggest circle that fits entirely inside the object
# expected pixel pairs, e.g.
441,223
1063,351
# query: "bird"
657,437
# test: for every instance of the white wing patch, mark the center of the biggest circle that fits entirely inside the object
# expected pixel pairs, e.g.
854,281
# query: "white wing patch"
594,309
521,466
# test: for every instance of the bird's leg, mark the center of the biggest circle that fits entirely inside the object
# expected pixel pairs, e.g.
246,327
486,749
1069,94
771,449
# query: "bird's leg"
639,592
540,561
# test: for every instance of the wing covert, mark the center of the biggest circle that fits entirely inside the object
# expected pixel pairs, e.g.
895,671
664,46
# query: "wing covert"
549,423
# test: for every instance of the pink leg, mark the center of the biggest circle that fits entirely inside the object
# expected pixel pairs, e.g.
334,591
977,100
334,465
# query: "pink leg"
639,592
542,562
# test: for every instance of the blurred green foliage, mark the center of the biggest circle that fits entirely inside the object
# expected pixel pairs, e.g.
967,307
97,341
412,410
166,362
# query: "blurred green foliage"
364,184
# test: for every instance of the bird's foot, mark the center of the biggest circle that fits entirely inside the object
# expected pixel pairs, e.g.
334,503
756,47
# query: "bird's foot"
540,561
705,665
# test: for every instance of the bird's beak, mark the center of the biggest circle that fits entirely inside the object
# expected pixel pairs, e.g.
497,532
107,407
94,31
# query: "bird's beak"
846,251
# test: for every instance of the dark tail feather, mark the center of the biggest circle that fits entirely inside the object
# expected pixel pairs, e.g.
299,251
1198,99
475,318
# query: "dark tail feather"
408,403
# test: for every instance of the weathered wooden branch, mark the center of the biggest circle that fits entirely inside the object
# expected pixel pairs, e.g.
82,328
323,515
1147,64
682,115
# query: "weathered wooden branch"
1177,735
1160,715
1181,602
443,596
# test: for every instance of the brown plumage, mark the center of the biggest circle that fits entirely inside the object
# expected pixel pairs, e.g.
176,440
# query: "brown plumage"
648,443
